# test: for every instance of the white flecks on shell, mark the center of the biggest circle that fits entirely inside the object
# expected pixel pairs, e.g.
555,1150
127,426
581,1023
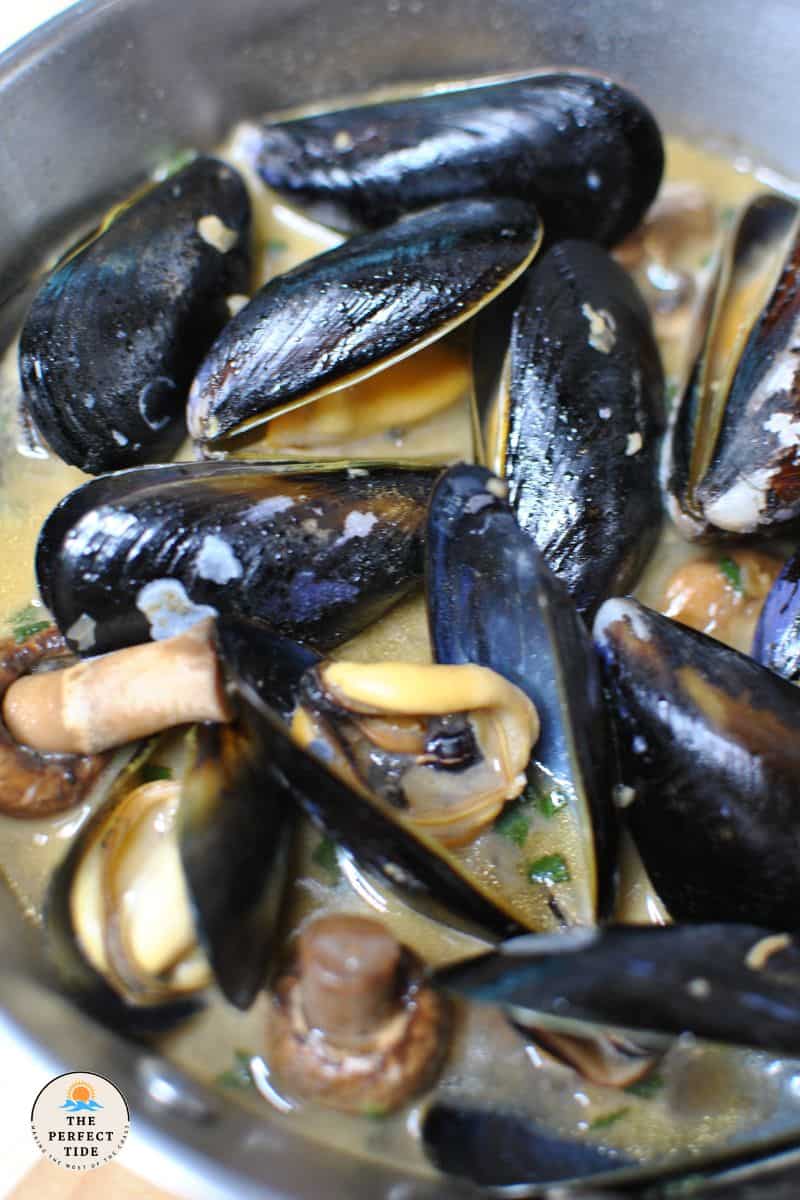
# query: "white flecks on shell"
623,795
270,507
602,328
739,509
119,437
216,560
786,426
216,233
357,524
169,609
236,302
634,444
81,632
604,414
761,951
699,989
497,488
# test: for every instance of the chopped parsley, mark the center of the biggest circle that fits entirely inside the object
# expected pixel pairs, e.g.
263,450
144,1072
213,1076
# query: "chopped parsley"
549,869
237,1076
515,821
609,1118
550,802
28,622
153,772
276,246
646,1088
733,573
325,856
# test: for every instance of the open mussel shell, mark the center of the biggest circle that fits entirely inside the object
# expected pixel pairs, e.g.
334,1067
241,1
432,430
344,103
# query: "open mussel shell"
733,460
738,984
378,836
117,330
776,643
352,311
493,601
497,1148
709,742
574,425
316,552
585,150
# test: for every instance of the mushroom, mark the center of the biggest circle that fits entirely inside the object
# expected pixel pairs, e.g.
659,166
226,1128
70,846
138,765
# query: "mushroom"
603,1058
351,1026
119,697
722,595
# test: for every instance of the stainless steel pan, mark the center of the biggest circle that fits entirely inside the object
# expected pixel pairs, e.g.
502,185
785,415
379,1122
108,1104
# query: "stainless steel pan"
96,98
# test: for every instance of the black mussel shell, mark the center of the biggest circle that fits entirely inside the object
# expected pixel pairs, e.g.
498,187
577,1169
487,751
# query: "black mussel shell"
317,553
378,836
733,464
493,601
118,329
776,643
738,984
578,419
585,150
235,827
710,748
352,311
496,1148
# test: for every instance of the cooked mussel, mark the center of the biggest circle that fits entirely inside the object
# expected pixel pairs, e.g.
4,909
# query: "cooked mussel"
738,984
585,150
734,456
709,742
118,329
340,317
380,836
776,642
448,745
574,425
493,601
317,553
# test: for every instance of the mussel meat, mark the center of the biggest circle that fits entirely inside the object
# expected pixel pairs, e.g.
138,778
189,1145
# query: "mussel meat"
118,329
317,553
709,742
583,149
340,317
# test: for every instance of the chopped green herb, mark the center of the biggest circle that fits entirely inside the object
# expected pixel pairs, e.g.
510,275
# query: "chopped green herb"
514,822
175,164
28,622
733,573
728,213
276,246
550,802
706,260
325,856
153,772
671,391
374,1111
549,869
646,1088
23,632
609,1118
238,1076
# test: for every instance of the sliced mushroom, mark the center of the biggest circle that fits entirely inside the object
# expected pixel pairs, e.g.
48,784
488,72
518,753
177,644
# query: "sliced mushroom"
350,1025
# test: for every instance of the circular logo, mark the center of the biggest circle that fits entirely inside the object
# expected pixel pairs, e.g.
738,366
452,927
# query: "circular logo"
80,1120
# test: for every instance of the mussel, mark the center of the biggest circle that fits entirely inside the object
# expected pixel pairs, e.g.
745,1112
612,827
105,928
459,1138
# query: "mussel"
735,460
118,329
776,643
733,983
574,425
710,755
345,314
493,601
584,149
317,553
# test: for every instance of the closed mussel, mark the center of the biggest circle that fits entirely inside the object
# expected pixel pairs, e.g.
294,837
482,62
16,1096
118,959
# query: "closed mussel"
710,748
346,314
584,150
118,329
493,601
734,458
315,552
573,424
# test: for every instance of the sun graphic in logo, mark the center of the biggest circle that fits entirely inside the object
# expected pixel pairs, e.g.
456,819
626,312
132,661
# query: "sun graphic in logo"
81,1092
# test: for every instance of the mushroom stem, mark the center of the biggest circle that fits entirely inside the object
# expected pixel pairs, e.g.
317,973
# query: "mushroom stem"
120,697
348,973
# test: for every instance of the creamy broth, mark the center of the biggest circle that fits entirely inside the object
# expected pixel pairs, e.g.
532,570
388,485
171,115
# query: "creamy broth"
705,1095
